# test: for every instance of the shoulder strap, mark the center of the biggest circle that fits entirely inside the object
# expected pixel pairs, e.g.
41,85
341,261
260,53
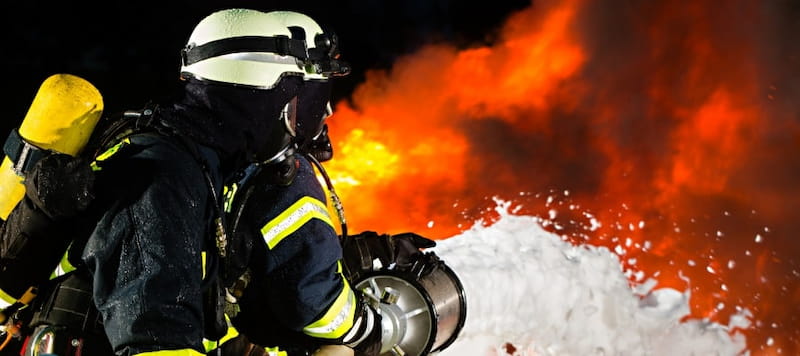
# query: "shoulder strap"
112,129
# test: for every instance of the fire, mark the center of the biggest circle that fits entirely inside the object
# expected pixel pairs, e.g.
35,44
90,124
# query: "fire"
397,169
659,130
710,144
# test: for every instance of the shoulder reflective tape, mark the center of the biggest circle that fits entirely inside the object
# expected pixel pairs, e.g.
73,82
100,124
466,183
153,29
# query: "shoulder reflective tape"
63,267
108,153
302,211
339,318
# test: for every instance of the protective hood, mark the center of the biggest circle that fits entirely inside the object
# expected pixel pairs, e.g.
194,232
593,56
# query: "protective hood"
312,109
243,124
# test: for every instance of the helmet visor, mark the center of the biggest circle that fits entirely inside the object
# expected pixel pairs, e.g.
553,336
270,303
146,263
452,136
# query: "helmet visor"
313,107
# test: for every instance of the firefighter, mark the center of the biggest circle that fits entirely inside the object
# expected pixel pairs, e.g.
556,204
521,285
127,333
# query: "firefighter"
287,274
285,265
147,250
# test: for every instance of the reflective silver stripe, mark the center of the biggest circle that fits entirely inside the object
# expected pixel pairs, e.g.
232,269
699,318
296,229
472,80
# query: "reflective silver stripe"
356,328
291,219
339,318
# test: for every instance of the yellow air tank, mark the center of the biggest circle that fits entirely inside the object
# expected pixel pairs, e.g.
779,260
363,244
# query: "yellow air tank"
61,118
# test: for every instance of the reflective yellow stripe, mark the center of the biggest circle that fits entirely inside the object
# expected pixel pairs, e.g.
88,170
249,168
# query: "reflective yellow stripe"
203,263
338,319
293,218
108,153
63,267
182,352
230,334
275,351
210,345
229,193
6,300
213,344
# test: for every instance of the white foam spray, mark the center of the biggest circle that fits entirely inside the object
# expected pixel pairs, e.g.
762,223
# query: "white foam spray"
528,288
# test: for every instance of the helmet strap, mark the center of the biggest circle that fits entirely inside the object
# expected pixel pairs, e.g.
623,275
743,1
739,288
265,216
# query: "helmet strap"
281,45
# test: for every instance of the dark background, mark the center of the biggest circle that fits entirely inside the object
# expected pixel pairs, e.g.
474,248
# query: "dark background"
130,50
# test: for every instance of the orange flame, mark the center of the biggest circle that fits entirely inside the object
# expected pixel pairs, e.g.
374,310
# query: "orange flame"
649,128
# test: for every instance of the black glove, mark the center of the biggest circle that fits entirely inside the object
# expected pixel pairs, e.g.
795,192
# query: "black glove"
60,185
370,345
398,251
407,246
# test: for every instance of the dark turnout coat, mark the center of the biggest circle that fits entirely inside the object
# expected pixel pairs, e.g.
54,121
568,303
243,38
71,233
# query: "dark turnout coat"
297,297
155,213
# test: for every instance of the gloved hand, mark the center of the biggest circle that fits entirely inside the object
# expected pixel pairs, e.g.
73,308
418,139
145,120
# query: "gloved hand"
398,251
60,185
369,334
407,245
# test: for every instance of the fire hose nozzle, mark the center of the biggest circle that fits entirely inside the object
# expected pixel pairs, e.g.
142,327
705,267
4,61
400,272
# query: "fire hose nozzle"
421,302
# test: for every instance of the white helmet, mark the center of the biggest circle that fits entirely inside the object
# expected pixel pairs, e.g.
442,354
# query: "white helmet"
243,47
322,61
253,48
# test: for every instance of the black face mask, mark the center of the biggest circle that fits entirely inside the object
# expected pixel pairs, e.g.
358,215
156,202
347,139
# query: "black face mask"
312,103
247,121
